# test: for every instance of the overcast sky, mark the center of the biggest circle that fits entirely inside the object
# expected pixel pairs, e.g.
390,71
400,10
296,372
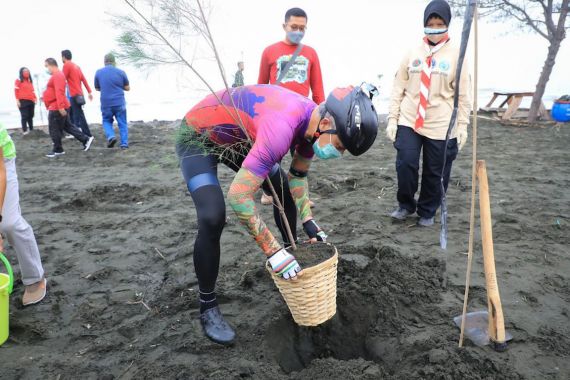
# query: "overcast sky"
356,40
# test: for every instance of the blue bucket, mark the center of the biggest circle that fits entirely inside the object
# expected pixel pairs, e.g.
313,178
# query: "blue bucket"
561,111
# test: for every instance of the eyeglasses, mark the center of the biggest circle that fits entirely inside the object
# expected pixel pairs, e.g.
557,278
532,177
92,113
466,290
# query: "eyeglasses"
295,27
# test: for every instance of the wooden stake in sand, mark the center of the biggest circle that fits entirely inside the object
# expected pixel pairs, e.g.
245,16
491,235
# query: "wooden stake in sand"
496,320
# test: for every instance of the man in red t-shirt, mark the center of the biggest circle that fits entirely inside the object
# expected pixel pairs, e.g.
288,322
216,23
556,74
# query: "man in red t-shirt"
75,78
304,75
57,104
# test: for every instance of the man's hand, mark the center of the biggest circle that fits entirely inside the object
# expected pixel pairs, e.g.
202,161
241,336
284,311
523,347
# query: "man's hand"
63,112
285,265
314,232
90,97
392,129
462,136
18,103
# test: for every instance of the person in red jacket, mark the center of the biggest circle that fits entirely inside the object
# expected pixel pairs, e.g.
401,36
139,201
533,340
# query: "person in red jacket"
57,104
303,76
75,78
25,99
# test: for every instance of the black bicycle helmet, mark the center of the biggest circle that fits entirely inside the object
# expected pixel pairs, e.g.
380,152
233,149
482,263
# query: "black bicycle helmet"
355,117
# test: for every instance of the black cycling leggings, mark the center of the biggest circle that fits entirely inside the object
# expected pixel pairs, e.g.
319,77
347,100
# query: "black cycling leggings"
201,176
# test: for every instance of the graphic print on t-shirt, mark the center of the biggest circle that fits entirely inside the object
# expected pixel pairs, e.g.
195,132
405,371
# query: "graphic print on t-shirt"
298,72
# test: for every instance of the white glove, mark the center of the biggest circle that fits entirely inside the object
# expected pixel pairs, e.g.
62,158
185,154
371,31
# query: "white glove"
391,129
462,137
285,265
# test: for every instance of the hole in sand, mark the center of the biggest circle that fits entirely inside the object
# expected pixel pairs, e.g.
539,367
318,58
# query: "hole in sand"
342,338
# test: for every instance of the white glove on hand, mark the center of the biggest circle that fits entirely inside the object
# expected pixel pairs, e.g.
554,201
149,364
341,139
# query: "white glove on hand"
285,265
462,137
391,129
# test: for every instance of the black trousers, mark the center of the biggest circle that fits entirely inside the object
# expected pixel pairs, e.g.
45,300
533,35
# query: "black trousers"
78,117
409,145
200,173
58,124
27,112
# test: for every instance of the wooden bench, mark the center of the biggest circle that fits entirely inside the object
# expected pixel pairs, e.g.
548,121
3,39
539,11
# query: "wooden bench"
514,100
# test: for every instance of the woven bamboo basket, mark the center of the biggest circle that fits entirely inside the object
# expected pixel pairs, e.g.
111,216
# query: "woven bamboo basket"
312,298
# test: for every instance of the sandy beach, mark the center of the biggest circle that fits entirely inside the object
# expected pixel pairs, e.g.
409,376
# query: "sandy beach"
116,230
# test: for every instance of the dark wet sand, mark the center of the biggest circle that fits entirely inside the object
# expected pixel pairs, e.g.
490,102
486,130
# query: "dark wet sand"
117,309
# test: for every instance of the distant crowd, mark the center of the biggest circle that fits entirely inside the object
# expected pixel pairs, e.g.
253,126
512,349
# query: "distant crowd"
64,99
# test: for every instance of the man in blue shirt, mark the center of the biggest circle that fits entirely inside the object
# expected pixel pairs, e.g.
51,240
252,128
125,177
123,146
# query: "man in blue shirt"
112,83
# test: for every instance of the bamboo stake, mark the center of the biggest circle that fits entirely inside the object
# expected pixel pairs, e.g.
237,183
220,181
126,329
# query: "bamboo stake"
496,319
473,178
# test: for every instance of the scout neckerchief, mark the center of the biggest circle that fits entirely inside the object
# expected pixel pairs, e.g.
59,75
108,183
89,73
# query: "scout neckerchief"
426,79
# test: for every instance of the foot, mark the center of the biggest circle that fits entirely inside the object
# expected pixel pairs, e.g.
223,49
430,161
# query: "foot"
54,154
266,199
34,293
426,222
400,213
111,143
215,326
26,132
88,143
69,137
124,147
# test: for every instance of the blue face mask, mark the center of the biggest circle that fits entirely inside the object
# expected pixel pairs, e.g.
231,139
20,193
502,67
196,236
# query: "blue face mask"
327,152
434,31
295,37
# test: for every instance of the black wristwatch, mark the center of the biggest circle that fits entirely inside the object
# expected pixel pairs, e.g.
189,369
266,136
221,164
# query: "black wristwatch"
0,218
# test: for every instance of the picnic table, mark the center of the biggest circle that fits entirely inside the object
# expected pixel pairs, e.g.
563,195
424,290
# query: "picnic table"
514,100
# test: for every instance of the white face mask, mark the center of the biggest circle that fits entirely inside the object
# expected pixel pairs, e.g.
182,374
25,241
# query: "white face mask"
48,72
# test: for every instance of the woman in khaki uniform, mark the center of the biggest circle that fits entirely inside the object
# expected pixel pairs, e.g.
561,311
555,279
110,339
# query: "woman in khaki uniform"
420,110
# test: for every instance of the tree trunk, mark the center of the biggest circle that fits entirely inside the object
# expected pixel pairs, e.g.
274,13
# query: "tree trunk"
544,77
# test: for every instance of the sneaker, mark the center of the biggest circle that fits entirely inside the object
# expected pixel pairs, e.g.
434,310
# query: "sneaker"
69,137
426,222
54,154
34,293
88,143
266,199
124,147
215,326
111,143
400,213
26,133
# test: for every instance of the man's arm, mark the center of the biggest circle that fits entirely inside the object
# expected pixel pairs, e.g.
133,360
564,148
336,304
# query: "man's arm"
96,82
264,68
60,98
241,199
126,84
84,81
316,80
299,185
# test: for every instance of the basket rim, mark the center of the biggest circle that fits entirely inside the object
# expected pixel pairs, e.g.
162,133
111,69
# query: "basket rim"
310,270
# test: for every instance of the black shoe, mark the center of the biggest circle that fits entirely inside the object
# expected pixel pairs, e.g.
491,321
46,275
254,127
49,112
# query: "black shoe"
54,154
124,147
111,143
215,326
426,222
400,213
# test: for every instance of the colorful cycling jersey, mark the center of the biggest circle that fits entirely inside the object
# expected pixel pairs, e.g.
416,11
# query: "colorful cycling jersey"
275,119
